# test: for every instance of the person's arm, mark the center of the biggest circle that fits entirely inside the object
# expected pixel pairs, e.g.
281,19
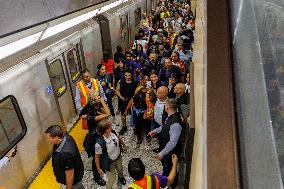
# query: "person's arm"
106,112
102,93
155,131
172,175
99,151
4,161
78,100
128,105
175,132
67,162
121,142
118,91
69,178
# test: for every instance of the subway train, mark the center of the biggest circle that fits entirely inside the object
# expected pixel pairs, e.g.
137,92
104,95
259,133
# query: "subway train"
37,84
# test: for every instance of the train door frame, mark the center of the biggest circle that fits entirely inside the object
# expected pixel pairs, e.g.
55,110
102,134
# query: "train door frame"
67,116
71,83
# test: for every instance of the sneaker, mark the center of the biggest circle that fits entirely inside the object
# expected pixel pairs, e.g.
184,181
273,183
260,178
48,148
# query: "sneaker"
122,180
100,182
122,131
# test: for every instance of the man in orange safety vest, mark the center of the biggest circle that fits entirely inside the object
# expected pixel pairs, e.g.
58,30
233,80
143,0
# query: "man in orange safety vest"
136,170
84,87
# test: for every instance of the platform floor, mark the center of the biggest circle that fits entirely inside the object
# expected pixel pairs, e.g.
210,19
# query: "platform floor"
46,179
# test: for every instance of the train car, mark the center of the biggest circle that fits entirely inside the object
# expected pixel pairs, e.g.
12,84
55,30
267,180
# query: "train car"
120,24
38,88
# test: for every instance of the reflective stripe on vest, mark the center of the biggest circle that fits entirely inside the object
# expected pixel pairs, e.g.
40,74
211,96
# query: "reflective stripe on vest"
172,38
149,104
84,90
136,186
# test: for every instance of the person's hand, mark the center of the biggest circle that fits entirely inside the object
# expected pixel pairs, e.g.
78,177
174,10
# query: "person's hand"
152,133
158,157
84,116
103,84
102,100
125,113
174,159
100,171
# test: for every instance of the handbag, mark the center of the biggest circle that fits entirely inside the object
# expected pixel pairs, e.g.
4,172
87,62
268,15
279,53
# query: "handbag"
84,124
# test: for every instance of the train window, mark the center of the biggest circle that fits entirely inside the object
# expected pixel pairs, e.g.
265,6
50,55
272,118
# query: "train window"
124,27
12,125
137,16
57,77
73,65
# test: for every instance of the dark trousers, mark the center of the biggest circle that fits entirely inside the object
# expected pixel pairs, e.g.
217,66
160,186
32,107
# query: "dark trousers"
96,174
141,125
109,103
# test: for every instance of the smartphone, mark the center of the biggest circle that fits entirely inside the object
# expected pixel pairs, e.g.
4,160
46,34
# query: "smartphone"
149,85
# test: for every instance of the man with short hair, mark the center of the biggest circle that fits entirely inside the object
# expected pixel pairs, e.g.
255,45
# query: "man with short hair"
83,89
166,72
169,139
162,95
67,164
152,63
159,109
182,100
136,170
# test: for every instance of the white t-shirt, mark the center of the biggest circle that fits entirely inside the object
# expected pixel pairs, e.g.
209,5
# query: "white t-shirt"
112,145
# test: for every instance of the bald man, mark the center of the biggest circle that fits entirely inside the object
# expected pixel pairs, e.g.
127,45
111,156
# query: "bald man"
182,100
162,95
159,113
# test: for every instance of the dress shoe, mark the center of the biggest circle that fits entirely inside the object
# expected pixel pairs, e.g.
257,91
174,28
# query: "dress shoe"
122,180
100,182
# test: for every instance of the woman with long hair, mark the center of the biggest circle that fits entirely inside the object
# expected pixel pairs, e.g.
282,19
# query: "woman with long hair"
105,81
125,90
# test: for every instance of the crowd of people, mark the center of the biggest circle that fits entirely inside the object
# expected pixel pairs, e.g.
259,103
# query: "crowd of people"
151,82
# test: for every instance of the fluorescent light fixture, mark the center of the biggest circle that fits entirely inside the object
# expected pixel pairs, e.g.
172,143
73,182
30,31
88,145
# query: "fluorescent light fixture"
74,21
16,46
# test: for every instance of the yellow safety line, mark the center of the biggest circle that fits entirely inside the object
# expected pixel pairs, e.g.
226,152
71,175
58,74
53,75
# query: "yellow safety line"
46,179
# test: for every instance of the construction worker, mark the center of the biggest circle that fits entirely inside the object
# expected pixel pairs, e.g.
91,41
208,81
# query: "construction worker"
136,170
83,89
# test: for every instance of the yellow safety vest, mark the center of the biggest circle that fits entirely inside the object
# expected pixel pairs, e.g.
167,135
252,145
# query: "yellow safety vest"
136,186
84,90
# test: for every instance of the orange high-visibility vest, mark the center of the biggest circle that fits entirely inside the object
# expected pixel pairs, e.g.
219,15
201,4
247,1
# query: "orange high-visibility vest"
84,90
150,105
172,37
144,183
